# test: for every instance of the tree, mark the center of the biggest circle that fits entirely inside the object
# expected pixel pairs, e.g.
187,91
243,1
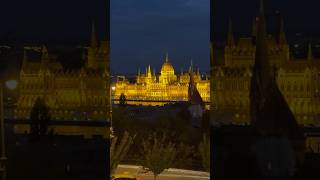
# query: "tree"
158,154
119,150
40,118
186,156
204,150
122,100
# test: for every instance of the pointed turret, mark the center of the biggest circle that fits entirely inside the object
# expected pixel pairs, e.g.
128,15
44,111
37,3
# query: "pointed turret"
167,58
24,61
191,67
139,72
154,72
270,113
25,58
154,76
262,65
93,40
230,38
44,54
310,54
282,34
261,79
149,73
254,29
193,93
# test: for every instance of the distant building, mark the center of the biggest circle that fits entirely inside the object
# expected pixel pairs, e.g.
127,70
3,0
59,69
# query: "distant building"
152,89
80,94
298,80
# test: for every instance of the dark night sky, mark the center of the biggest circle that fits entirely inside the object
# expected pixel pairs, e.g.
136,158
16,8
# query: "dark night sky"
42,20
142,31
299,16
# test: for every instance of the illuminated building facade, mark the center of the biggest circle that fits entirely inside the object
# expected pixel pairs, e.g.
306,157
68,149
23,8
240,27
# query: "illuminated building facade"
298,80
152,89
80,94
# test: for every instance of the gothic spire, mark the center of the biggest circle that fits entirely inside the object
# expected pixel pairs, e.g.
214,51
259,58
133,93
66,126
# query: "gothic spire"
254,27
93,41
261,72
44,54
194,96
269,111
282,34
230,38
167,57
262,66
191,66
25,57
310,54
149,71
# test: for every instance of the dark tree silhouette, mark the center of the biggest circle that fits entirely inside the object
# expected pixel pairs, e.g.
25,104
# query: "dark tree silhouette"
158,154
122,100
40,118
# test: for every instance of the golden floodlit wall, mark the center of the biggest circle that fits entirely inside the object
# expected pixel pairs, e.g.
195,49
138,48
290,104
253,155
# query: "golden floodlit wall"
81,94
298,80
164,87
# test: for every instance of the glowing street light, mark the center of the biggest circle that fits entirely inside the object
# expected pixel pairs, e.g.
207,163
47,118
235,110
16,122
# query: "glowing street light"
11,84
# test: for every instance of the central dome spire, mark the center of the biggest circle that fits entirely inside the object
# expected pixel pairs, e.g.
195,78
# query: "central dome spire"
167,58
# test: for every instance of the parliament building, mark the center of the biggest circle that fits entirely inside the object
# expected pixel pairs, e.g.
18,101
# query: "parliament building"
167,87
298,79
80,94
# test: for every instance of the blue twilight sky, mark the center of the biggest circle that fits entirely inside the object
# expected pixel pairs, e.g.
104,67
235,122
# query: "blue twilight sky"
142,31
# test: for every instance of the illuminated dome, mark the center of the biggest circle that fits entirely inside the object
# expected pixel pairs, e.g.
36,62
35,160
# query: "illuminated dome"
167,67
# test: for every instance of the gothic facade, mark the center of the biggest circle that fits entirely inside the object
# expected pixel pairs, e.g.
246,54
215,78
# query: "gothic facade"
80,94
298,80
152,89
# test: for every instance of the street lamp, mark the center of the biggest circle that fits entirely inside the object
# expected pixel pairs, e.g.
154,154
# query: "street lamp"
11,85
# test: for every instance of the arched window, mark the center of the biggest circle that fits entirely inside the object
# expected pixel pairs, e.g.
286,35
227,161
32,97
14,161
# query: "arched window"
288,87
295,87
302,110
